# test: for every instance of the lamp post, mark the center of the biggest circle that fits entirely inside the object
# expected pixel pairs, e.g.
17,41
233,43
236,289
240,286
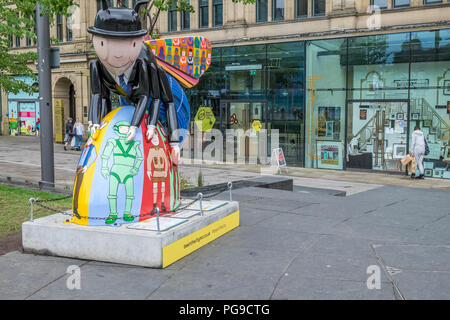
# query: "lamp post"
45,101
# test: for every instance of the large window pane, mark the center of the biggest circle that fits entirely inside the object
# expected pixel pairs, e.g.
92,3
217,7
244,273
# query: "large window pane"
277,9
301,8
382,4
325,103
261,10
185,20
319,7
59,27
203,13
172,19
401,3
218,12
285,96
430,96
378,67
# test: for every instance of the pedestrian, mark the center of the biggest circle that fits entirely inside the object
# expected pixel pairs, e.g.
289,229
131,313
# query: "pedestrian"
418,149
79,132
69,133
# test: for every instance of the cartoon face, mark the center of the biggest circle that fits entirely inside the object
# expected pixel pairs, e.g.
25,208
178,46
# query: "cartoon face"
122,128
117,54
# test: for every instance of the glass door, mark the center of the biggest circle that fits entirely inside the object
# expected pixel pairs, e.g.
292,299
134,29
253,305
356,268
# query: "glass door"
245,119
377,134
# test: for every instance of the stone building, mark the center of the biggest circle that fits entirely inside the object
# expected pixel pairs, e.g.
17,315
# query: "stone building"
344,82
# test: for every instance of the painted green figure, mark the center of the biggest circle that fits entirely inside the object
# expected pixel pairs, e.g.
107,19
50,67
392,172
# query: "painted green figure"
127,161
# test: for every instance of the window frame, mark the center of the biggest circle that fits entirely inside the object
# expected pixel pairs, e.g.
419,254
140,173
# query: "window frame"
201,7
258,18
296,9
313,2
171,13
216,4
425,2
394,5
381,8
274,11
59,28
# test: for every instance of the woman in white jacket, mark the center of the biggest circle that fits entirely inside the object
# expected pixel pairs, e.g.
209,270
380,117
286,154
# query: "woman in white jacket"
418,149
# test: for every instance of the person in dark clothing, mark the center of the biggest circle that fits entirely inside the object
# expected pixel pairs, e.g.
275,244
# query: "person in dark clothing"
69,133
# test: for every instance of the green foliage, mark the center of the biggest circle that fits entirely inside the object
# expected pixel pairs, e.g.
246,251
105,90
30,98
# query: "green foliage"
15,208
17,20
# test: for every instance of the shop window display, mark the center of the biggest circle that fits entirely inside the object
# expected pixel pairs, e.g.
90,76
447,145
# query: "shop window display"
430,97
325,104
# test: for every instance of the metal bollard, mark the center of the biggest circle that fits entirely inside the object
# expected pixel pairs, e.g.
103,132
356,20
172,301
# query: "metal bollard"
157,221
200,198
31,201
230,186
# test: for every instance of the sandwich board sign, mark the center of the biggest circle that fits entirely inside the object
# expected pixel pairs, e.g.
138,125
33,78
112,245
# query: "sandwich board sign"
278,159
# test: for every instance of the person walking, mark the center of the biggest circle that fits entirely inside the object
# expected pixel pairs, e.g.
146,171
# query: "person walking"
69,133
418,149
79,132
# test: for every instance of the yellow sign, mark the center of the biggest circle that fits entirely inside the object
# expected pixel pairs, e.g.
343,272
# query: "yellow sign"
204,119
59,120
256,125
184,246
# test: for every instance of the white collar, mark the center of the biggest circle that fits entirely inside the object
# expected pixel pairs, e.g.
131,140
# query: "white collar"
126,74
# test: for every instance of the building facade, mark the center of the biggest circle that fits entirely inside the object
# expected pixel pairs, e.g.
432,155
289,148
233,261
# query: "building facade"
344,82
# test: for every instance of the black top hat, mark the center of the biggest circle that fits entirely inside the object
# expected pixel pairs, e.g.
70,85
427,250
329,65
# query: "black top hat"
118,23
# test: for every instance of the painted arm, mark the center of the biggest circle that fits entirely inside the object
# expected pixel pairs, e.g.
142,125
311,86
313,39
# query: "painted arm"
96,106
105,157
167,97
139,158
155,105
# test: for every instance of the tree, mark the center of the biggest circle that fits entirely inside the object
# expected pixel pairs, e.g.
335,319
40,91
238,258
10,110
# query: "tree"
17,19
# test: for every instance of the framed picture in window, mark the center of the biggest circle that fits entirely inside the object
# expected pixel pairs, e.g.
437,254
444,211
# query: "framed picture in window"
427,123
447,87
398,151
363,114
400,116
428,172
415,116
447,153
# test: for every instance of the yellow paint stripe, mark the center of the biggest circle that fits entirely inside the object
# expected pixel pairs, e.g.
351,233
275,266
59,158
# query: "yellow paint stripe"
184,246
85,188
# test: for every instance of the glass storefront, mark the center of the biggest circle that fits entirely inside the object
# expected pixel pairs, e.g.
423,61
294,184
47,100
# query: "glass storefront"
23,112
263,83
347,103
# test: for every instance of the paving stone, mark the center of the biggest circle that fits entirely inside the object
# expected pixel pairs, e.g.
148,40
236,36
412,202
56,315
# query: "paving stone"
100,281
23,274
424,285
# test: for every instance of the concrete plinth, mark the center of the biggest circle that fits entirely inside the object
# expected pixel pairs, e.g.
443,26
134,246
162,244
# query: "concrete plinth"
52,235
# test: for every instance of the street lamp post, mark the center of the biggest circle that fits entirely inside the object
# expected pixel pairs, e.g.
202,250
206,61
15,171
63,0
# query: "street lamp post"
45,101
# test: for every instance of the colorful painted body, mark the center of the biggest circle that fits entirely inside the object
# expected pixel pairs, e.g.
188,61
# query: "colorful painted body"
125,195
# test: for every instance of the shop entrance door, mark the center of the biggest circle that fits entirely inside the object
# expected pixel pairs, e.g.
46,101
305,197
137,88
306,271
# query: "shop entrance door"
241,117
377,134
27,118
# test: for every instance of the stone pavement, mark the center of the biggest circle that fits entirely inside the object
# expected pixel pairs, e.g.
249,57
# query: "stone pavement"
301,244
